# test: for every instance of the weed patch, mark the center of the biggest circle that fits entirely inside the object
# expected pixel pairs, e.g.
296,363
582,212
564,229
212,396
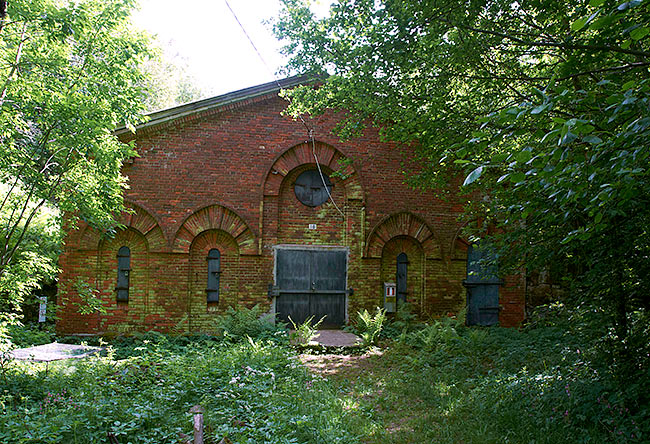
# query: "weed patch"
446,383
252,392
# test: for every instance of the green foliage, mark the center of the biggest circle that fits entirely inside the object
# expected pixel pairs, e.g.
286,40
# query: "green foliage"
544,104
69,75
369,326
442,382
34,264
447,383
167,81
91,302
401,323
238,324
252,392
14,335
304,332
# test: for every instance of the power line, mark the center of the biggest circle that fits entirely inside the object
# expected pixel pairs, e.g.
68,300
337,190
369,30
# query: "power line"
310,131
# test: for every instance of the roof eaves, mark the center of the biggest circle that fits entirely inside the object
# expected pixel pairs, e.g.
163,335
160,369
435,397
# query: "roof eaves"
177,112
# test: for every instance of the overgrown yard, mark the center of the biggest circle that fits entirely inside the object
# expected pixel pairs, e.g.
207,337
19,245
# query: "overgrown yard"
483,386
441,383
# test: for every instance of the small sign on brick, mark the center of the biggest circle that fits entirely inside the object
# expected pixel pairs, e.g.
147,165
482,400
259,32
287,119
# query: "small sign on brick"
312,226
42,308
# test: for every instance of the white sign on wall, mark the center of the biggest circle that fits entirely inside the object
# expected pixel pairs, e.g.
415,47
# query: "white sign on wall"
390,300
42,308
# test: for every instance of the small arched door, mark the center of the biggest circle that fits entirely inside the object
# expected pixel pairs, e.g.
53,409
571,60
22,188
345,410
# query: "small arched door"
402,277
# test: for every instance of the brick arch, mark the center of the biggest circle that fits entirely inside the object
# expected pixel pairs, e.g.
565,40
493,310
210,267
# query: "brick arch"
135,218
215,217
302,154
401,224
459,248
209,239
416,269
128,236
459,243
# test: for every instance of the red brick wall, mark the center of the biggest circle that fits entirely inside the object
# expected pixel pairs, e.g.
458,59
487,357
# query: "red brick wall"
224,179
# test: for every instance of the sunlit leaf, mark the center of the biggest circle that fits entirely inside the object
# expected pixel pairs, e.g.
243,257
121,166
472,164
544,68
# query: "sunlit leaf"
473,176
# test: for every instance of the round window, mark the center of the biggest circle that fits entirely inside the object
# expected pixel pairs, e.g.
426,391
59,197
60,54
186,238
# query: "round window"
310,190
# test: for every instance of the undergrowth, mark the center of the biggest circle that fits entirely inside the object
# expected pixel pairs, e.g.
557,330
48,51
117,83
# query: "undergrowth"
447,383
440,382
253,391
20,336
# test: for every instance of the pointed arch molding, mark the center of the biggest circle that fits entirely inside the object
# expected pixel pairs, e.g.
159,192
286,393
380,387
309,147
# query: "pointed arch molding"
302,154
402,224
215,217
136,218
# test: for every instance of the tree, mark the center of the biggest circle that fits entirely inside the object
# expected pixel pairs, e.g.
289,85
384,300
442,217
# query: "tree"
168,82
543,108
69,74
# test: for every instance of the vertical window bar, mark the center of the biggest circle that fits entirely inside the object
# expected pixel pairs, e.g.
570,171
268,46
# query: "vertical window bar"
123,271
214,274
401,278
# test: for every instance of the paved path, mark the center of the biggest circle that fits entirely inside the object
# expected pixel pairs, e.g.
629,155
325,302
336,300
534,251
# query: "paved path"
54,352
336,338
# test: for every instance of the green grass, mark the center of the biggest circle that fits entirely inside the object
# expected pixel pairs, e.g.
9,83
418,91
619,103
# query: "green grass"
450,384
441,383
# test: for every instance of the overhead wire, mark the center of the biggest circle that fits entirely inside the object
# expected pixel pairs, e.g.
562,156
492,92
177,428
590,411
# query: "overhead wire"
310,131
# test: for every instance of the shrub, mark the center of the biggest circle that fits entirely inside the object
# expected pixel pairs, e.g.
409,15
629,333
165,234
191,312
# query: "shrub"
238,323
21,336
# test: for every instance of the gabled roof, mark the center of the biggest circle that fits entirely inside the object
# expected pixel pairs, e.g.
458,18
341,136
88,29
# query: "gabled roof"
177,112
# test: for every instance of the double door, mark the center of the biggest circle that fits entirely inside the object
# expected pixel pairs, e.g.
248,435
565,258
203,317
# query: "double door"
311,282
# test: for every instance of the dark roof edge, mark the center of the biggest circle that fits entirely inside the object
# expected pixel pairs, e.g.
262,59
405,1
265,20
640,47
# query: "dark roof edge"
169,114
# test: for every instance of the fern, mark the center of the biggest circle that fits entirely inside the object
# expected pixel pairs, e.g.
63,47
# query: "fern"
370,326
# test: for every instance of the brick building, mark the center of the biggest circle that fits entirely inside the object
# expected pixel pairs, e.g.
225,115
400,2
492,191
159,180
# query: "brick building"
228,208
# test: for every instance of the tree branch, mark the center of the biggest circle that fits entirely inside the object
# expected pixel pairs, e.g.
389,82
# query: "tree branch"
3,13
568,46
14,68
6,257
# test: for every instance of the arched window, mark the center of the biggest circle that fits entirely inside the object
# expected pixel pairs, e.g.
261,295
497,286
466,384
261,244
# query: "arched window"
402,274
123,270
214,272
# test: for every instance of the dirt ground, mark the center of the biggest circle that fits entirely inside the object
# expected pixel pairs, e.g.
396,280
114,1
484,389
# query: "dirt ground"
341,365
367,379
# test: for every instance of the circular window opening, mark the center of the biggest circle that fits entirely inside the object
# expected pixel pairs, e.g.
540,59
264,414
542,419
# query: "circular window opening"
310,190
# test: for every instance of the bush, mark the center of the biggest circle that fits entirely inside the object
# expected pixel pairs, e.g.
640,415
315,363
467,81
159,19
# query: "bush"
21,336
239,323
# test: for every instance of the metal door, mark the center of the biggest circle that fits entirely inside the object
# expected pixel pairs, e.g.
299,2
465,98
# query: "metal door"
402,277
482,286
311,283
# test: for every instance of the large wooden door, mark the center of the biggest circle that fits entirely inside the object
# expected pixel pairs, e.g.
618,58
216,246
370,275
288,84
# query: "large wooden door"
311,283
